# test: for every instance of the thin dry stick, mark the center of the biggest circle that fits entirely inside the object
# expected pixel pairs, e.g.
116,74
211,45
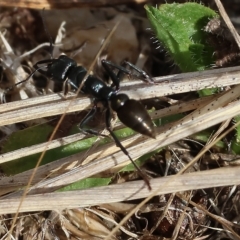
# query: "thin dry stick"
56,128
228,22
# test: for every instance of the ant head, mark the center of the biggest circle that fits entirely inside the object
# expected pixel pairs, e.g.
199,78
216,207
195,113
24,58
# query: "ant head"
56,69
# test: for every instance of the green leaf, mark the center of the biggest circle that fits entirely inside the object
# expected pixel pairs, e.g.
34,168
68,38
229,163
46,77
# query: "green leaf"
235,144
204,136
86,183
179,28
139,162
237,119
35,135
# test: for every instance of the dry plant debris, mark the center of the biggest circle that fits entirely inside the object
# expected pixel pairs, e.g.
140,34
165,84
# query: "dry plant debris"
172,212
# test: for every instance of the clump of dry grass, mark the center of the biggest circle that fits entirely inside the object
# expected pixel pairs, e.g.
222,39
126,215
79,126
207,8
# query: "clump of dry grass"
178,207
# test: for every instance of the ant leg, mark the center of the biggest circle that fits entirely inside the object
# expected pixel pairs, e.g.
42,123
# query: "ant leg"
123,70
83,123
66,87
39,68
115,78
67,84
145,76
123,149
43,62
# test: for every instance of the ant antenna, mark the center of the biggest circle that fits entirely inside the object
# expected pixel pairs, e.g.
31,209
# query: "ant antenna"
47,32
25,80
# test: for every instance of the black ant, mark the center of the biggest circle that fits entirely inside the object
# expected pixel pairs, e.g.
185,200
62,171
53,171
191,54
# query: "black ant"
130,112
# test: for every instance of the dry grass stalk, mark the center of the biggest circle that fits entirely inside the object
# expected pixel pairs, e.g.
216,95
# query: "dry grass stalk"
122,192
56,104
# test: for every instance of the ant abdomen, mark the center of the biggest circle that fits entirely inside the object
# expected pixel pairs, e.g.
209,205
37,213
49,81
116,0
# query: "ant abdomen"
133,114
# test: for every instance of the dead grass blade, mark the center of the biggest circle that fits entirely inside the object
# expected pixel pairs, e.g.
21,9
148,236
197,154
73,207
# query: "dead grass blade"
56,104
121,192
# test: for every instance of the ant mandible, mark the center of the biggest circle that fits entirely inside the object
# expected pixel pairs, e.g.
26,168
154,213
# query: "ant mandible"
130,112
